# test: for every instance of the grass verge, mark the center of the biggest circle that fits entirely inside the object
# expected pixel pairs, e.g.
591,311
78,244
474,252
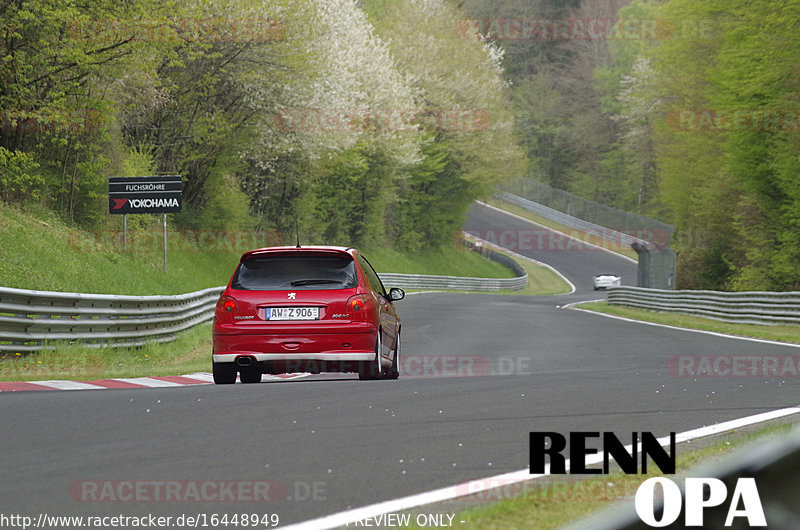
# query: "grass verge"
452,260
781,333
42,252
541,280
561,500
190,352
578,234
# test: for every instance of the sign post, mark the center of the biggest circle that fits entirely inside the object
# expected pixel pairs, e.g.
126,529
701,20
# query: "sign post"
145,195
165,243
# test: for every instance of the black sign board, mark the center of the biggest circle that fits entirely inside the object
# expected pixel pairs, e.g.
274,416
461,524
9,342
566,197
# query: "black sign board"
144,194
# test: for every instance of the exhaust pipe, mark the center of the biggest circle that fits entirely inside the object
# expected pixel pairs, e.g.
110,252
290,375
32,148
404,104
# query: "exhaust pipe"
244,361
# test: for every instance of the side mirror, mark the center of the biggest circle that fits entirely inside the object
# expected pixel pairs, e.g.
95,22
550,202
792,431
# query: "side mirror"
396,294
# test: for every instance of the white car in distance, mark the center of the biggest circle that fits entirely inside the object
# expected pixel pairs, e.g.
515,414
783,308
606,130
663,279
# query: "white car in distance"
604,281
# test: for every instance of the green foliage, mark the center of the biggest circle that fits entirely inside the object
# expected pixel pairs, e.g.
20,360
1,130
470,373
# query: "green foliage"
352,197
19,181
137,163
91,91
470,144
649,123
224,209
732,185
55,71
433,201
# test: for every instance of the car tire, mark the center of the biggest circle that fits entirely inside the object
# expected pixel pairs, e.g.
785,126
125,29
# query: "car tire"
224,373
394,371
250,375
369,370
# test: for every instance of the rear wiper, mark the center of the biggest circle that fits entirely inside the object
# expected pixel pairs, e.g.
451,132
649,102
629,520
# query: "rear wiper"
312,282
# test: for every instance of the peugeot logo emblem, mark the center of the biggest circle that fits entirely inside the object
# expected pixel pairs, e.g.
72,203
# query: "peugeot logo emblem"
292,296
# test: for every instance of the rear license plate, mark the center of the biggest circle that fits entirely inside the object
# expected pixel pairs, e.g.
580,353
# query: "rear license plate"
291,313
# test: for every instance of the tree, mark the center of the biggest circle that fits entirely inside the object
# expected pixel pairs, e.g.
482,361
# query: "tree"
465,112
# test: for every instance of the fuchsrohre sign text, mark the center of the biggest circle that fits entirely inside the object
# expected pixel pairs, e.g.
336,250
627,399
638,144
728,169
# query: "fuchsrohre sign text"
144,194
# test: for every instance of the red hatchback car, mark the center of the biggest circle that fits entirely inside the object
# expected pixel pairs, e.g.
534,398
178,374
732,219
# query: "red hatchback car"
305,309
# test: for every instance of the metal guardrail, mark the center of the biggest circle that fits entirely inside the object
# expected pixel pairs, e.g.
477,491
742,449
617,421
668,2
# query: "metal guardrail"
751,307
455,283
31,319
462,283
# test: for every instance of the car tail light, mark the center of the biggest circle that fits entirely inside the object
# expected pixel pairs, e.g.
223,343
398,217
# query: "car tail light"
359,302
227,304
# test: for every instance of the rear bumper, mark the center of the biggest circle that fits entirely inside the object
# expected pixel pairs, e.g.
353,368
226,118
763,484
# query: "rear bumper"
297,328
262,357
289,363
352,341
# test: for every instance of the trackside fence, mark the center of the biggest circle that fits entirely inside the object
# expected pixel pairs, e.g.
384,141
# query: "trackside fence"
657,262
583,210
29,320
747,307
608,234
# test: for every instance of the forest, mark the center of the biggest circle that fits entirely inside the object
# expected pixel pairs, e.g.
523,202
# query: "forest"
681,110
379,122
320,115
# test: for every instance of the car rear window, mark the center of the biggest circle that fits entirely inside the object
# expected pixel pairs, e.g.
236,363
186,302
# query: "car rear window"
271,273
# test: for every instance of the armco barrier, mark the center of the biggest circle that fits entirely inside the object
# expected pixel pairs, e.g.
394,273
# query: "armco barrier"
456,283
30,319
461,283
751,307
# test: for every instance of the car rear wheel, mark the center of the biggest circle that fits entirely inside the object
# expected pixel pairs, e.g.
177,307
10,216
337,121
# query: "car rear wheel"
394,371
250,374
224,373
368,370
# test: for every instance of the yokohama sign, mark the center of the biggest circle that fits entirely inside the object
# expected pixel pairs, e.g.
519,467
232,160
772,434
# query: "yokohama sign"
144,194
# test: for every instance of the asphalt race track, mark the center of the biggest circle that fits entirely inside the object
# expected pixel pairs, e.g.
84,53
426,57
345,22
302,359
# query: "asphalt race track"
478,373
573,258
